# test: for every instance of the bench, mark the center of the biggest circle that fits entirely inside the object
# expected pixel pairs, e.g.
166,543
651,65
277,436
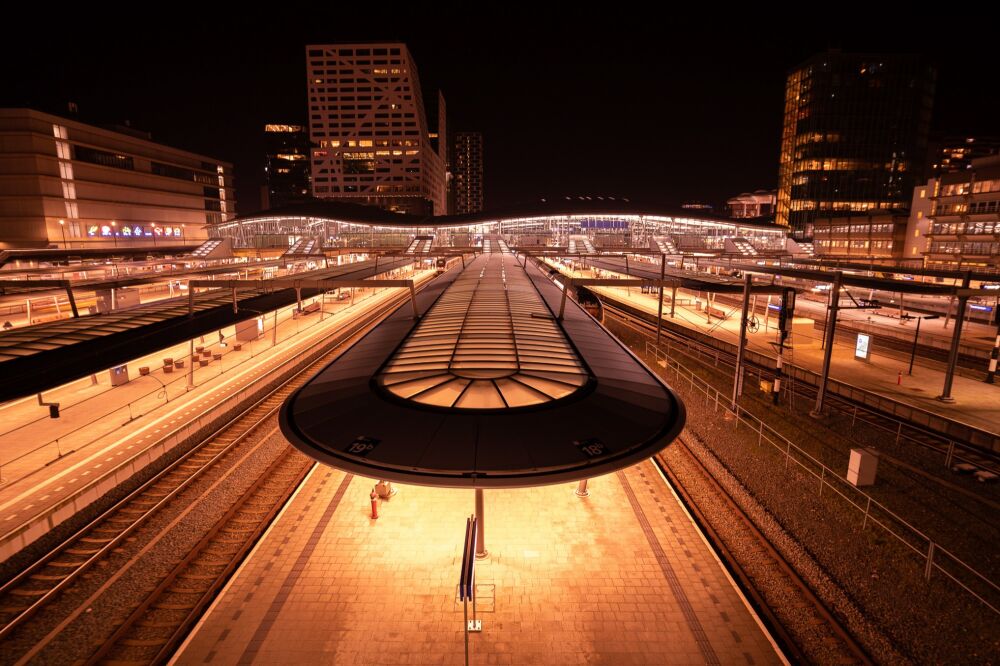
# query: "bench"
713,311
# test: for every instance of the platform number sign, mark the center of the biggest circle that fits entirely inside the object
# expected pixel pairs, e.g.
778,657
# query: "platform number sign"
592,448
362,446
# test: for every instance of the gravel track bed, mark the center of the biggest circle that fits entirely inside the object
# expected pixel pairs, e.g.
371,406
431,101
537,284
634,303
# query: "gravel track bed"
968,528
929,622
816,640
79,639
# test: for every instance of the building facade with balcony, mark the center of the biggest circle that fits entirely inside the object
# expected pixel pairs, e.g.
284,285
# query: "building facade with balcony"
964,230
75,185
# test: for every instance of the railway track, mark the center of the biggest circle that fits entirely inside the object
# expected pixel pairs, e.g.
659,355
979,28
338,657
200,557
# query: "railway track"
953,452
147,630
808,611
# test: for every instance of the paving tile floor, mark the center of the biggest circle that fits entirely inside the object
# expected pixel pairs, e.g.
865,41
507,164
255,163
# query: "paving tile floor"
620,577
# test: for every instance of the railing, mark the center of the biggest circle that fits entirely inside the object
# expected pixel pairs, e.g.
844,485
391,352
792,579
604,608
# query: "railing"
870,510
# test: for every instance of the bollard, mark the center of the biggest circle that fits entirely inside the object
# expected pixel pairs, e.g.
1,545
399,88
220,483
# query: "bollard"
899,378
374,504
581,489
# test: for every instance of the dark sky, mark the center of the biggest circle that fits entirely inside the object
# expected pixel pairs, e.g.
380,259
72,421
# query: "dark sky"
581,104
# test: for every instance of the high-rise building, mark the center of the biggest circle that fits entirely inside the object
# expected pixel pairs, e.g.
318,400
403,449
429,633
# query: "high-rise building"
371,140
76,185
287,170
854,137
467,172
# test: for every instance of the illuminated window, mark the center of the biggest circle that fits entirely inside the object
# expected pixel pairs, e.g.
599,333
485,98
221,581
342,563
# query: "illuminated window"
488,343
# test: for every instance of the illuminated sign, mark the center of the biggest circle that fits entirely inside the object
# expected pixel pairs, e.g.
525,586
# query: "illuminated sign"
126,231
92,230
982,308
862,348
136,230
105,230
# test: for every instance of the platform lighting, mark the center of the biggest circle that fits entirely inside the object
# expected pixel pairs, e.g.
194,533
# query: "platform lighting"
62,228
114,232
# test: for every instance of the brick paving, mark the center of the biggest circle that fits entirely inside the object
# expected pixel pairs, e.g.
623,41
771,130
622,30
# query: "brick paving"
620,577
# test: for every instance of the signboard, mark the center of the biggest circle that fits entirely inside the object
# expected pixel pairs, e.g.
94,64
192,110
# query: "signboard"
862,348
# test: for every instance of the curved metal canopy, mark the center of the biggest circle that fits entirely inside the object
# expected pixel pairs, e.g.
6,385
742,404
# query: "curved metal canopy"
487,389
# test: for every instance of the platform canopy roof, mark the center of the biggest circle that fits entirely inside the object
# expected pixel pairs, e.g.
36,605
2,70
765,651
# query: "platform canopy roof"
487,388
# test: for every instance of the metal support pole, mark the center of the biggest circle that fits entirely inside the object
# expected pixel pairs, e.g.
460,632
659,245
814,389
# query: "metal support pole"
673,300
956,336
481,551
996,348
581,489
741,349
190,301
913,352
72,301
831,327
562,303
659,310
413,300
191,365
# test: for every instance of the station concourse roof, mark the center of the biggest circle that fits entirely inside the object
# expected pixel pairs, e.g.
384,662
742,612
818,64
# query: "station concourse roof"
41,357
342,211
486,389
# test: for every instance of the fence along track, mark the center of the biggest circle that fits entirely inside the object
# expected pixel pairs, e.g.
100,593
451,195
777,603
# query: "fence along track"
871,511
805,599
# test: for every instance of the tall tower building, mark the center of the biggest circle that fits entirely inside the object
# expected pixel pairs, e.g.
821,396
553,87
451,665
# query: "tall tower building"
287,169
371,141
854,137
467,172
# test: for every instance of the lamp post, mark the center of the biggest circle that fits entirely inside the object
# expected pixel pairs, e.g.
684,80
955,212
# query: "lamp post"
114,232
62,228
154,234
916,334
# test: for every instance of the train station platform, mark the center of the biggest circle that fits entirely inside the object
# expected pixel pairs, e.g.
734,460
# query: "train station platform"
620,577
46,462
976,403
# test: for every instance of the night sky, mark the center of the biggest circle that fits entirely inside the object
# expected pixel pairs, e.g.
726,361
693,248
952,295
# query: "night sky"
584,105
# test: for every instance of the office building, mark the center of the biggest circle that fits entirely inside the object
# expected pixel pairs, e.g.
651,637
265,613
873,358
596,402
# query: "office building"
467,172
955,153
287,171
70,184
854,139
867,237
371,141
965,218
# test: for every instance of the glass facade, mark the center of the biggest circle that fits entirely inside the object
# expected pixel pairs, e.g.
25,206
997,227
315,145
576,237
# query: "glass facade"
854,137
